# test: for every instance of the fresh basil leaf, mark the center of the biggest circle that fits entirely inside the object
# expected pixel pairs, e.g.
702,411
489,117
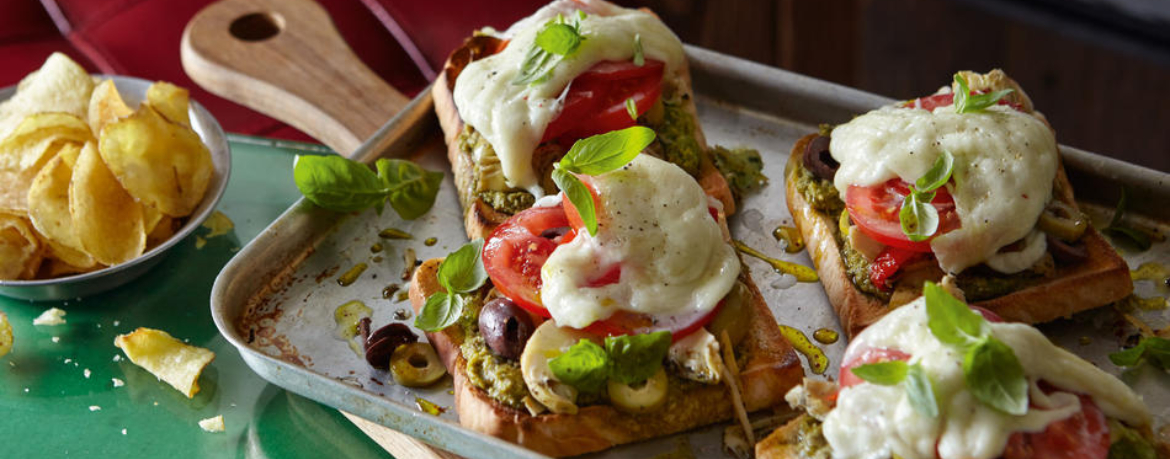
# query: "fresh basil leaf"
558,38
412,188
938,175
1153,349
632,109
1122,206
607,152
950,320
584,366
338,184
441,310
882,373
921,391
919,219
462,271
995,377
965,102
579,195
537,66
1139,239
639,55
635,358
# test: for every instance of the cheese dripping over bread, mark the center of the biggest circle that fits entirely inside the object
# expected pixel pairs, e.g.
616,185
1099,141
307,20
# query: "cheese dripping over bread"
513,117
1005,162
875,421
654,223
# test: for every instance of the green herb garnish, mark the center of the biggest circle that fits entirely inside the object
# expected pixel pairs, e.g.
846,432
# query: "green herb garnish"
1119,230
639,55
991,369
594,156
913,378
628,359
556,41
918,217
1152,349
345,185
460,273
584,366
966,102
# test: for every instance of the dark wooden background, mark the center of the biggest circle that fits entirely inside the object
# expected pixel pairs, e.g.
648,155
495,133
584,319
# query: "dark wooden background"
1101,77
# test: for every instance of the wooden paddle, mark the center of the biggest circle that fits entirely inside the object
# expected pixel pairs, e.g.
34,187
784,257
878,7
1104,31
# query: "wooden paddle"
286,59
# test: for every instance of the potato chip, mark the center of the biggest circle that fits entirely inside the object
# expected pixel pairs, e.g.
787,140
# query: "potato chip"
210,424
30,147
162,164
165,357
20,250
48,208
5,335
170,100
59,86
163,230
107,219
55,267
106,106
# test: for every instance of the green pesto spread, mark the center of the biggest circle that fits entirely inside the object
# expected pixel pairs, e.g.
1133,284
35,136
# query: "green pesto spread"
509,202
499,377
1129,444
857,267
981,283
676,134
821,195
742,167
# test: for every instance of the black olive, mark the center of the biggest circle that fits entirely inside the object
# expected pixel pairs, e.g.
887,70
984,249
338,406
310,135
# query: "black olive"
1066,253
505,327
380,345
818,160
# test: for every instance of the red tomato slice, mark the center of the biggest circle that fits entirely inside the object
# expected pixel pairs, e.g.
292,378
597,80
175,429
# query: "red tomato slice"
1084,435
596,101
942,100
871,355
629,323
888,263
518,248
874,210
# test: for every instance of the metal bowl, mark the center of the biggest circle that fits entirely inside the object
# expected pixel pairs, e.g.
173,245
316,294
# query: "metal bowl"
133,91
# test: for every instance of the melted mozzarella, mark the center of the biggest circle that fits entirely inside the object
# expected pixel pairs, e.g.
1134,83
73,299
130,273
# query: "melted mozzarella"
513,117
873,421
1005,162
654,223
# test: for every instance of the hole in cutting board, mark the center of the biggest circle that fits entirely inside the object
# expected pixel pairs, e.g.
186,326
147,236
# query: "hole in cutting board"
255,27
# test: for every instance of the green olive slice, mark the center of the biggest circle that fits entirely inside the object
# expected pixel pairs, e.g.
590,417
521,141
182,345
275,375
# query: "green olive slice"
1062,221
416,365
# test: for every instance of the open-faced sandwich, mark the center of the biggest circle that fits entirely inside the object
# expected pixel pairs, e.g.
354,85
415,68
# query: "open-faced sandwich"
613,312
967,182
936,379
512,103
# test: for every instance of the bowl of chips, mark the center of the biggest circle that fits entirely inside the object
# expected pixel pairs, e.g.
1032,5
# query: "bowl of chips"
100,175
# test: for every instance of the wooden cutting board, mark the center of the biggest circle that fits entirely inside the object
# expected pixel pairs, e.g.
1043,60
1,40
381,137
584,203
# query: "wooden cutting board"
286,59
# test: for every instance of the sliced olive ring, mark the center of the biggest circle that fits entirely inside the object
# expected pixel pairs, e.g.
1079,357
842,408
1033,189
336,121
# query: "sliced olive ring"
380,344
1063,221
416,365
648,396
817,159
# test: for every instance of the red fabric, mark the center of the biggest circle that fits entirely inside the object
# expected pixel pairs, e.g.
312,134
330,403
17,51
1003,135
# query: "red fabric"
141,38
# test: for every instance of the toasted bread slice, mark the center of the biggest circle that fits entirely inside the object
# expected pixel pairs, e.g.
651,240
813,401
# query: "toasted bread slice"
1101,279
479,217
771,368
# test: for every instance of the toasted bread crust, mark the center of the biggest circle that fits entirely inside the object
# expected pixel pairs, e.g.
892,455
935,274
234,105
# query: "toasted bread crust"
771,369
1101,279
479,217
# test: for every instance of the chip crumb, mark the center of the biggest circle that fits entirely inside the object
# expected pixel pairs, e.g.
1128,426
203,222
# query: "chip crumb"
95,408
86,373
123,431
56,339
200,242
118,382
68,361
52,316
26,390
117,357
117,322
212,424
219,224
5,337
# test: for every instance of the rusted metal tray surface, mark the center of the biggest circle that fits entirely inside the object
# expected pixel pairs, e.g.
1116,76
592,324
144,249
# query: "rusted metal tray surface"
276,299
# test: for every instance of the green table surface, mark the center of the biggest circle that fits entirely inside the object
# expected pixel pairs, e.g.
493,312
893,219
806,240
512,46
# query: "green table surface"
55,376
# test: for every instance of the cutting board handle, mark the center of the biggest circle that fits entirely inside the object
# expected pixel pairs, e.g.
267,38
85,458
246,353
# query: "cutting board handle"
286,59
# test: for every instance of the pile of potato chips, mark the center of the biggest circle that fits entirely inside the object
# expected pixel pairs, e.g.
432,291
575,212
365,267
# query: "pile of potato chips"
88,182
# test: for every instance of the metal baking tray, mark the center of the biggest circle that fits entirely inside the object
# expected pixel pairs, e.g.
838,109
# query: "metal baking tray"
275,300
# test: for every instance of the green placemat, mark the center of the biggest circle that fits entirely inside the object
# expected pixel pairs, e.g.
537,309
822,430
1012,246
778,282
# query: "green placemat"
57,391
